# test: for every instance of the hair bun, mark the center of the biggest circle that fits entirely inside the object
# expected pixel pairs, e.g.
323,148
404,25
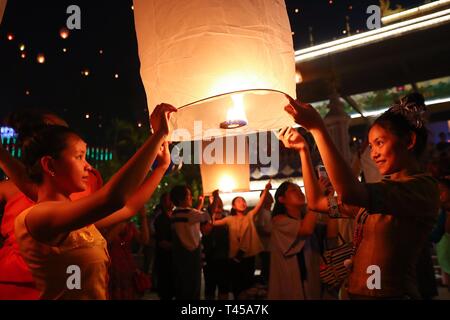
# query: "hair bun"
412,107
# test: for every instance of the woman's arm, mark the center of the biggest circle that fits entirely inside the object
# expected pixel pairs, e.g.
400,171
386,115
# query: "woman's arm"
315,197
261,200
17,172
143,194
49,220
201,202
307,224
346,184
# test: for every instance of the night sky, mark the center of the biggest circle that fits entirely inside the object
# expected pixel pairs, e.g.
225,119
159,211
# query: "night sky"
106,46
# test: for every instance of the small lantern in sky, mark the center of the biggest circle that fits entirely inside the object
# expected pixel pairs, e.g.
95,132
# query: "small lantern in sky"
64,33
40,58
229,64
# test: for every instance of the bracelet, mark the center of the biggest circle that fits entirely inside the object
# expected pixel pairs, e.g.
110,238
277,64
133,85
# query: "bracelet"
333,208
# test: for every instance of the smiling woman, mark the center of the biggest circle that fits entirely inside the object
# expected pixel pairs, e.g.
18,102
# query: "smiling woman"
395,216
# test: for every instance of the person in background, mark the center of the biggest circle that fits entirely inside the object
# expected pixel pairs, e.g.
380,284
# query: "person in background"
186,246
441,232
216,247
263,223
123,270
244,243
165,284
297,235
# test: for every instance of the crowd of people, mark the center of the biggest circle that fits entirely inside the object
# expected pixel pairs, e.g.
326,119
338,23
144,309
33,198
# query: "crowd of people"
58,214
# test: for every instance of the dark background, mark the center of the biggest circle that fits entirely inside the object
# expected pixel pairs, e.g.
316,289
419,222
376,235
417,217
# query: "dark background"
58,84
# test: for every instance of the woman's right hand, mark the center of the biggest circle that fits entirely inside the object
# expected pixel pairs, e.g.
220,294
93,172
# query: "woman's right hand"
304,114
292,139
159,118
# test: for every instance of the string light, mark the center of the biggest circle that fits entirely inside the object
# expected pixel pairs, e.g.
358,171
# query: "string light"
10,37
64,50
27,92
85,72
40,58
100,51
296,10
116,76
23,55
87,115
22,47
139,124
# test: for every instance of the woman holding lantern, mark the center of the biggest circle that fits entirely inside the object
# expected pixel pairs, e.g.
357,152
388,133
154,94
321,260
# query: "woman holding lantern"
57,235
395,216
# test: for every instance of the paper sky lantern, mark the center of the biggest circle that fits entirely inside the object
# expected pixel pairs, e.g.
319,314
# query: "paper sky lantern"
2,9
227,63
230,170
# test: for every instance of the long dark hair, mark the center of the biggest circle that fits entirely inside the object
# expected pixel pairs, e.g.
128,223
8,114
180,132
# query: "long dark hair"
48,141
406,117
280,208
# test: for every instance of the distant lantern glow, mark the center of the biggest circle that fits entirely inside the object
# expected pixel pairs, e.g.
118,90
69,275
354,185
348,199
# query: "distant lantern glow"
229,171
132,7
10,37
27,92
22,47
87,115
116,76
209,62
139,124
85,72
226,184
23,55
40,58
100,51
296,11
64,50
64,33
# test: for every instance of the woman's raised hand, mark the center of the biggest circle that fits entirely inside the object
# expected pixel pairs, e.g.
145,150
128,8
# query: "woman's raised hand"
159,118
292,139
163,156
304,114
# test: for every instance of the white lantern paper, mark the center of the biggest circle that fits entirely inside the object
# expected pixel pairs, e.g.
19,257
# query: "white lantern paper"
2,9
198,54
